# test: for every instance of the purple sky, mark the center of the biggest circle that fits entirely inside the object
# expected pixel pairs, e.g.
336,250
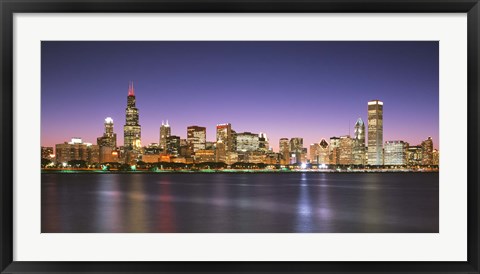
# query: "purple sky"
305,89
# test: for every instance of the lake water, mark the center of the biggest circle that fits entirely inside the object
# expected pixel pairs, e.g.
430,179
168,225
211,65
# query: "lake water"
238,203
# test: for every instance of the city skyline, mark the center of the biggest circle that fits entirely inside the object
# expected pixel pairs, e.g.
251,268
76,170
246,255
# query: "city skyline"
418,119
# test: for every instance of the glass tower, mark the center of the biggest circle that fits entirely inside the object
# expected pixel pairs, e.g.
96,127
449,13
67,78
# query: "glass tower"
131,130
375,133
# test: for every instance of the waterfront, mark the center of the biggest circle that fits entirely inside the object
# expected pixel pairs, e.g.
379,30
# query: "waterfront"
239,202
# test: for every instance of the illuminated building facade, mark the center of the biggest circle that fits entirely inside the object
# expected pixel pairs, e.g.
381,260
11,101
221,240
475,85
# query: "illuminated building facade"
247,141
151,158
204,155
47,153
314,153
284,146
173,145
165,132
196,138
296,150
108,143
323,152
414,155
263,142
359,143
427,152
109,138
231,158
395,153
224,135
345,149
76,149
375,132
220,152
436,157
334,153
108,154
132,129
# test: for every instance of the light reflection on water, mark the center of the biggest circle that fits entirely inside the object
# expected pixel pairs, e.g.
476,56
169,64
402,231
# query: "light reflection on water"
296,202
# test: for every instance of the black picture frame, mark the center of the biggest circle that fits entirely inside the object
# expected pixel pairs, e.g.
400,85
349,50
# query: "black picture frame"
9,7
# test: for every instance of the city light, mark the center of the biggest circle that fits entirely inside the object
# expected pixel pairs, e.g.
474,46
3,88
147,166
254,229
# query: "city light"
245,151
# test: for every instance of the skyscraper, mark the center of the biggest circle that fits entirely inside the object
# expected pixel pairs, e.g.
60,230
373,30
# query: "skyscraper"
323,152
395,153
359,143
224,134
109,138
107,143
165,132
284,151
334,150
345,145
375,133
314,153
131,130
427,152
263,142
173,145
196,138
296,150
247,141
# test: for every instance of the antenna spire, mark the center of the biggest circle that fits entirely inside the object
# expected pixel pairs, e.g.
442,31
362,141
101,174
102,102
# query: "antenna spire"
131,90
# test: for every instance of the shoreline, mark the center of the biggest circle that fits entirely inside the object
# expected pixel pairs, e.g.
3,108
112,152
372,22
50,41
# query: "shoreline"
75,171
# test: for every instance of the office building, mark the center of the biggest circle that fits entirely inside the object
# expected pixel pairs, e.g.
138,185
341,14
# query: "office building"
284,150
427,151
47,153
76,149
334,153
359,143
323,152
414,155
220,152
173,145
109,138
196,138
165,132
296,150
263,142
314,153
375,133
247,141
132,129
224,135
345,149
395,153
204,155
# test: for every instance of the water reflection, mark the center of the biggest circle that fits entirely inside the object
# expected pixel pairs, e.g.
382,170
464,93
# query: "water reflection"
297,202
137,205
165,215
108,204
304,212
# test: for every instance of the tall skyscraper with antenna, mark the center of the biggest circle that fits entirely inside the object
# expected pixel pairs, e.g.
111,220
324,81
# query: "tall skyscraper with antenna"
165,132
132,129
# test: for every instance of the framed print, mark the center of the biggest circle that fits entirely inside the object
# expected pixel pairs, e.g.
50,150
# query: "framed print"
251,137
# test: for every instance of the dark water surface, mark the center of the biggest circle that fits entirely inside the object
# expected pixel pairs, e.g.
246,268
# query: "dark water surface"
287,202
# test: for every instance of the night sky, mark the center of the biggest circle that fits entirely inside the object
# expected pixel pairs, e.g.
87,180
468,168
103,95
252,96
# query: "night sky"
308,89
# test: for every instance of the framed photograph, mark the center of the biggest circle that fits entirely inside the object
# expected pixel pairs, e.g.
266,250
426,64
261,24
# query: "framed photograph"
248,137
